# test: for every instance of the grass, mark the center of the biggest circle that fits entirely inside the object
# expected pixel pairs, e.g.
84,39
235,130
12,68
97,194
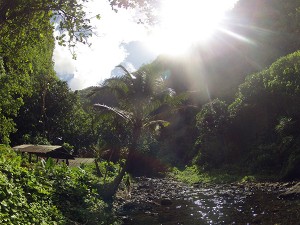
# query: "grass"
193,174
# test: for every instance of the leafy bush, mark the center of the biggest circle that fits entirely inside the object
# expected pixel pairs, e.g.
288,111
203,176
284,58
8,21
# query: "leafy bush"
190,175
213,123
48,194
259,131
75,193
24,197
247,179
194,174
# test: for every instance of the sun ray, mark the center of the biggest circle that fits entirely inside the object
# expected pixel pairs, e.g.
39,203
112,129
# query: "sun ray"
237,36
184,23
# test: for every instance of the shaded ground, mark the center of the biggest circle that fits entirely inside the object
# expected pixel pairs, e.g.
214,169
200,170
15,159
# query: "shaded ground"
164,201
78,161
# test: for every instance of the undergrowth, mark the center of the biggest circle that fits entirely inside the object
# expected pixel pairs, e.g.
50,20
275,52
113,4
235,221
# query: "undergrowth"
45,193
193,174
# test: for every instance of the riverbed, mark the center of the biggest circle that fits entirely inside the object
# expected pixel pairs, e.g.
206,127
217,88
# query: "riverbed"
164,201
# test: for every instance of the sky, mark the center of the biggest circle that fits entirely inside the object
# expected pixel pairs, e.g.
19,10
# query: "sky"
120,39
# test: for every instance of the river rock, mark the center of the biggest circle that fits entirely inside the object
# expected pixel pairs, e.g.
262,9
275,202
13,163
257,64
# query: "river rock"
136,206
292,192
166,201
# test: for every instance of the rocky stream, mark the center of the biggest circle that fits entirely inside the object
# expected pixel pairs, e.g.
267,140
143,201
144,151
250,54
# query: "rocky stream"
164,201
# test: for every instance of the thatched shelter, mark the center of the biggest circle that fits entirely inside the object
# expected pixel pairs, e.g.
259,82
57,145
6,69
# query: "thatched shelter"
45,151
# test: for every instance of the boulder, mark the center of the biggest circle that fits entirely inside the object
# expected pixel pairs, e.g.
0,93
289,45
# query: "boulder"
166,201
292,192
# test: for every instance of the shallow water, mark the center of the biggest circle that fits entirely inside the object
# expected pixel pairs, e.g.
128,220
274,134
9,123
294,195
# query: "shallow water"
228,204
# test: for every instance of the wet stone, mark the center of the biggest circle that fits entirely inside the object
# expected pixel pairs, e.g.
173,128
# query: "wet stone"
292,192
164,201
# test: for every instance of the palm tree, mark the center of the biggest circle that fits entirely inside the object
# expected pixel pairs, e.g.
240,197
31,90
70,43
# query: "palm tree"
141,98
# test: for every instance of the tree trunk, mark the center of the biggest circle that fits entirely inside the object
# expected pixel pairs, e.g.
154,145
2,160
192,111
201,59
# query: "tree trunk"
99,174
111,189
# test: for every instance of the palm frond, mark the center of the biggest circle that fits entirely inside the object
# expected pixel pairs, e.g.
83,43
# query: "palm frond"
151,107
129,75
177,100
116,86
93,91
122,113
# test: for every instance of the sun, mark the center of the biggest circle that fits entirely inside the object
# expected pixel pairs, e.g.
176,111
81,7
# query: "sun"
184,23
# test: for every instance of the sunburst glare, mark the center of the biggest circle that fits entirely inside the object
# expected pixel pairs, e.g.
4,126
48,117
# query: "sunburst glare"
185,23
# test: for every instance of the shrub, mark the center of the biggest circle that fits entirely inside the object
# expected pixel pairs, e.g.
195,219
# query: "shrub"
48,194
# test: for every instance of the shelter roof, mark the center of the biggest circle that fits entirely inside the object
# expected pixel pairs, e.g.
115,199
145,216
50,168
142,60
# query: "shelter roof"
36,148
54,151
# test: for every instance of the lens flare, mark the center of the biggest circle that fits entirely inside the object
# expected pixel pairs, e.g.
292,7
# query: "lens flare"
186,23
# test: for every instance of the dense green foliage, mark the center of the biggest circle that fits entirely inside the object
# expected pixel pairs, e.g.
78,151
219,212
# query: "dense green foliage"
35,106
274,105
26,47
12,88
195,175
260,129
212,122
54,113
48,194
230,117
24,54
240,115
140,99
25,21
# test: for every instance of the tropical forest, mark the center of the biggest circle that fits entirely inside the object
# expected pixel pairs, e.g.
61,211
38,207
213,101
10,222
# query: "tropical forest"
206,132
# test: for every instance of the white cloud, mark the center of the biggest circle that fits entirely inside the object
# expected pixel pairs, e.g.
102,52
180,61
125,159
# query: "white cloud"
95,63
63,64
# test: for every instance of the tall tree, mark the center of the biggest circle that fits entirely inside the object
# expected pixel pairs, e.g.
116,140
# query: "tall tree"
12,89
26,47
54,113
21,61
266,116
213,124
140,96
